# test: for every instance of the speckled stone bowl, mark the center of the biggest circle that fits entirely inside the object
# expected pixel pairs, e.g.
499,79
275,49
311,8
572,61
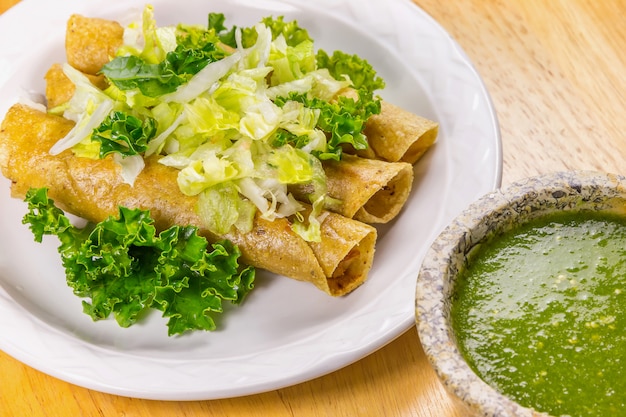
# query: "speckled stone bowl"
493,213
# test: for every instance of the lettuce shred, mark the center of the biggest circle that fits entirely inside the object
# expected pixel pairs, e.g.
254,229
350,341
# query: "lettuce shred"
125,268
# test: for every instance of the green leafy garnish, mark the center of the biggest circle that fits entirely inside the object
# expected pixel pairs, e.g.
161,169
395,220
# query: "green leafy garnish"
360,72
189,57
294,35
154,80
282,137
226,36
125,268
125,134
343,119
167,60
291,31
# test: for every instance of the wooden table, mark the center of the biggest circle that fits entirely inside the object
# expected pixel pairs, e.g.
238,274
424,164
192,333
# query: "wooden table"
555,70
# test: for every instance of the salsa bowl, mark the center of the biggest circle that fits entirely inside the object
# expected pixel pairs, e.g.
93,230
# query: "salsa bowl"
476,364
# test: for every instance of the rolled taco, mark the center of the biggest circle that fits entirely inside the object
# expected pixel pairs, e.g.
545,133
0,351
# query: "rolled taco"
395,134
398,135
94,189
368,190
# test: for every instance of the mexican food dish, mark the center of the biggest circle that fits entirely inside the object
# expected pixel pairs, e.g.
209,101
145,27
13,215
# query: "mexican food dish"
247,134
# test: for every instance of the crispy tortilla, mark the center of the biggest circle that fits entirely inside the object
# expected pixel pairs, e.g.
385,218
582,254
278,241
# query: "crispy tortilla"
395,134
91,42
399,135
368,190
93,189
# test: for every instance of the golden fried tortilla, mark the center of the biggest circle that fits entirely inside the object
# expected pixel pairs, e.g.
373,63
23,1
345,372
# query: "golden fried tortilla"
399,135
91,42
368,190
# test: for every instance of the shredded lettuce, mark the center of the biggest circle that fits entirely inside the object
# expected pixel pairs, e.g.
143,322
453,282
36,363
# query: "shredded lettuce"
124,268
244,110
154,48
221,208
203,80
131,167
343,119
309,228
88,107
168,59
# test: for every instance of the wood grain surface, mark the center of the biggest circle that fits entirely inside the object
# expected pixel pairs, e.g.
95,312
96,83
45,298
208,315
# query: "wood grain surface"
555,71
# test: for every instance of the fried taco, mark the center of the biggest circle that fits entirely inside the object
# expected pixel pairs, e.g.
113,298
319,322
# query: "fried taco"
93,189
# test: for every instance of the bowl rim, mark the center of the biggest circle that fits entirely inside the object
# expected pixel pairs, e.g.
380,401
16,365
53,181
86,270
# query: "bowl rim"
514,204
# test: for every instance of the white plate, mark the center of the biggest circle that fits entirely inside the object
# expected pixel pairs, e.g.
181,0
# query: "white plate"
287,331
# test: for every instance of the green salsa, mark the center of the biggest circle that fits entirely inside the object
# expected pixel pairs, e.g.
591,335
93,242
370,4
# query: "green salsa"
539,314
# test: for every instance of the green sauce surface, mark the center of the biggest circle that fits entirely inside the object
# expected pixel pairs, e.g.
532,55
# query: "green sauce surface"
539,314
